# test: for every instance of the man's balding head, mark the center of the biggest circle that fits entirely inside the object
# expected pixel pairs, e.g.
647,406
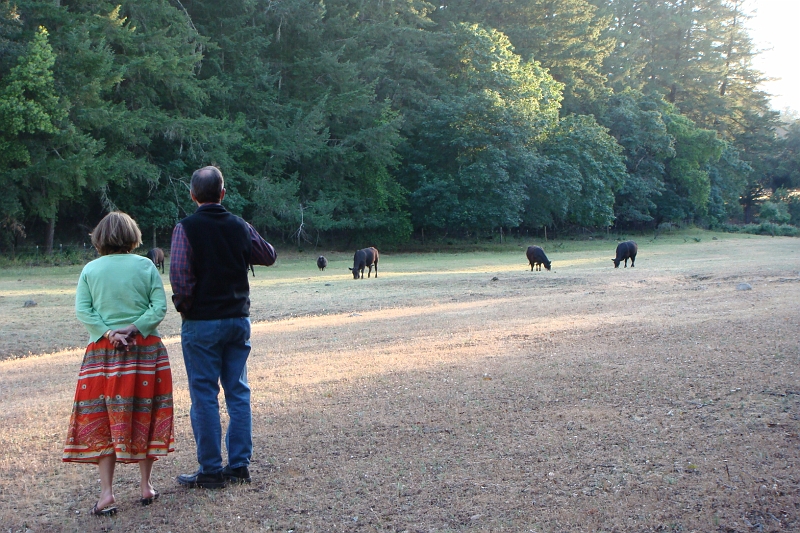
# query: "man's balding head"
207,185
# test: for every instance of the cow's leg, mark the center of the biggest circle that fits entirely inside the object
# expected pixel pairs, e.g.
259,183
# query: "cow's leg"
632,260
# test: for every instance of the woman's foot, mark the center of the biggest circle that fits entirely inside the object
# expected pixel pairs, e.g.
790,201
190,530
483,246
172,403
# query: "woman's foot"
149,494
105,506
153,496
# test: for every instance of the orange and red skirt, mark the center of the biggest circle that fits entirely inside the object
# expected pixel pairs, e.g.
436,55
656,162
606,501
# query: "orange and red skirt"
123,403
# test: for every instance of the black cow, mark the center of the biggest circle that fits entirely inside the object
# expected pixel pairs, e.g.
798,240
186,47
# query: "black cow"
322,262
625,250
156,255
537,257
366,257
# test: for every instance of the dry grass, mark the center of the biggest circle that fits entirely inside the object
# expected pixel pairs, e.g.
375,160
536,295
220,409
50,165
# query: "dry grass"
658,398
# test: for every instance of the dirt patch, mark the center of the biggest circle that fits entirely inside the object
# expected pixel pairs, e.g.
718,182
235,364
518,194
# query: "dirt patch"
658,398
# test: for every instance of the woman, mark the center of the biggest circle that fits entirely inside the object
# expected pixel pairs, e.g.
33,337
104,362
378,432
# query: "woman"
123,403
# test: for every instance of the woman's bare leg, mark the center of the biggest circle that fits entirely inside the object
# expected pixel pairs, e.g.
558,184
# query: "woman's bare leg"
105,466
146,468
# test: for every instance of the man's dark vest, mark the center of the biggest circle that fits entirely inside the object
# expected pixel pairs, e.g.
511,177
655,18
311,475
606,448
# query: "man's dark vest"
221,249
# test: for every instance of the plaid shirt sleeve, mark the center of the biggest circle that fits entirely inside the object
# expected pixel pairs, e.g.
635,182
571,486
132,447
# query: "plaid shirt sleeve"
181,276
262,252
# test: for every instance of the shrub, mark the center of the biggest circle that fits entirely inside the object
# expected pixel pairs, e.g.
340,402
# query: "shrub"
764,228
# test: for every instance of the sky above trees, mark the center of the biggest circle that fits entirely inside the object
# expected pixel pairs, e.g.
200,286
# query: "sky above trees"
774,29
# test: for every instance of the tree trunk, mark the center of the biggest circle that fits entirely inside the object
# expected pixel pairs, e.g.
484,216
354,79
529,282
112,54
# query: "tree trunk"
51,230
748,212
154,238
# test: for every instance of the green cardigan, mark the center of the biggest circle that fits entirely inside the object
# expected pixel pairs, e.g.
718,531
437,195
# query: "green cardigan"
118,290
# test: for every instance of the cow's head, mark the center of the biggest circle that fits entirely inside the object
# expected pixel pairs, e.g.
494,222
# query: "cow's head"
616,262
354,271
547,265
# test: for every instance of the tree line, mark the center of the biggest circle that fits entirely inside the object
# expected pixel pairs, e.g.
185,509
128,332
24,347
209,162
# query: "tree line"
374,120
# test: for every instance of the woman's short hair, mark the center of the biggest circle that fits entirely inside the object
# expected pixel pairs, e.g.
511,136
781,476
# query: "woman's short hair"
117,233
207,184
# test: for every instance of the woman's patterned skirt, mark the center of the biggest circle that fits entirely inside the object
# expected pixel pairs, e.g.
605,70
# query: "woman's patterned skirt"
123,403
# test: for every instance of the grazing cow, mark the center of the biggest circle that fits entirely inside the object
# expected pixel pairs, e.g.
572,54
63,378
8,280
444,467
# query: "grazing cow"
156,255
625,250
322,262
537,257
366,257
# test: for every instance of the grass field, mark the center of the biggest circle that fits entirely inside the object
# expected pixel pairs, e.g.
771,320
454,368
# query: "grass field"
458,392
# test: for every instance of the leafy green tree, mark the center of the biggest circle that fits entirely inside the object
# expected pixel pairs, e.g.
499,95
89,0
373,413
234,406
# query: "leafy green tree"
637,123
590,166
786,167
468,162
758,146
353,119
728,178
565,36
687,181
776,212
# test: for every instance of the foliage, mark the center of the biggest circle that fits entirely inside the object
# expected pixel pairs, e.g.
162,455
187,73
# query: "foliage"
775,212
564,36
589,166
637,123
729,176
363,122
764,228
472,159
687,181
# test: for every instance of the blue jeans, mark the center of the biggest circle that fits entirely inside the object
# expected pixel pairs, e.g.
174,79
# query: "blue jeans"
216,351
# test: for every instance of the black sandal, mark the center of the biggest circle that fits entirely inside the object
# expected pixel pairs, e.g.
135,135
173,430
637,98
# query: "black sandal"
105,511
151,499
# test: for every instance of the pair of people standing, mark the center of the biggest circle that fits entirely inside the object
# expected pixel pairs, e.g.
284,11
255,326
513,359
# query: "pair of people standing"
123,402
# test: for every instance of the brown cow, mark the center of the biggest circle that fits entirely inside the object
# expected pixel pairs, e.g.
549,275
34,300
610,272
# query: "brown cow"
156,255
366,257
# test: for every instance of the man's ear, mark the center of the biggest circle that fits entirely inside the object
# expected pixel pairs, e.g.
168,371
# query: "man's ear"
222,195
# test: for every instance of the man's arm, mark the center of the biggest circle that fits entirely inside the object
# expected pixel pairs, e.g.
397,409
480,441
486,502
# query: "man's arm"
262,252
181,276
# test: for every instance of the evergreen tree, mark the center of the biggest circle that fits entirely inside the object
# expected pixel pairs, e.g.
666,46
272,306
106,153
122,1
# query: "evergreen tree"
46,159
565,36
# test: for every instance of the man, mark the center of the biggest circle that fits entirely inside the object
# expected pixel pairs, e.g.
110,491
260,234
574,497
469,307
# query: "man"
211,252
